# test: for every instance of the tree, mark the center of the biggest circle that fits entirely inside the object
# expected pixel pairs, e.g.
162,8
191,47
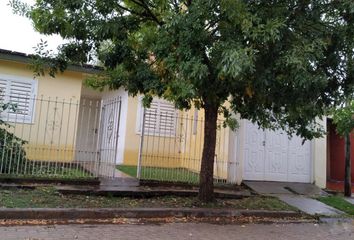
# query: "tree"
269,59
344,120
342,50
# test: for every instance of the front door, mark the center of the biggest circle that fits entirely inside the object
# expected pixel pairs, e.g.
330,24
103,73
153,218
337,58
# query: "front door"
87,131
109,135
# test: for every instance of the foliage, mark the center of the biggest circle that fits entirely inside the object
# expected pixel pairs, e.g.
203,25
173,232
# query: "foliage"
12,153
268,59
276,63
344,119
343,45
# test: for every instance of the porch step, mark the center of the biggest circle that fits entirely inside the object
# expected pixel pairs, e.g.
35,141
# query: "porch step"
119,182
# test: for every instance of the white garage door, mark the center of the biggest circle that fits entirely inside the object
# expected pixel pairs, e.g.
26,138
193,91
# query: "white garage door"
272,156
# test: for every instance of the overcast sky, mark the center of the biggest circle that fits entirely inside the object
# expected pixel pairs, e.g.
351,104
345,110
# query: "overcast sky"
17,33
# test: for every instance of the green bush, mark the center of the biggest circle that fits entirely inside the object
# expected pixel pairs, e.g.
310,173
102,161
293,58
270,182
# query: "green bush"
12,153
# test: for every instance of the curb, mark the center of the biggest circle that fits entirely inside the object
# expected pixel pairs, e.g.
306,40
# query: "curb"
109,213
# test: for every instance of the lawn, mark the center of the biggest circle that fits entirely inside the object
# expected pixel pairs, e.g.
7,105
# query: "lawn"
48,197
50,170
339,203
162,174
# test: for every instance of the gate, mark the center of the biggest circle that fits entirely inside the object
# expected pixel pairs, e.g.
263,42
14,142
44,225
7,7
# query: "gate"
107,143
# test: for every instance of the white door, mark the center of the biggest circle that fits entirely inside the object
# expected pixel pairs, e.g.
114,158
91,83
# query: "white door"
109,136
87,132
254,167
272,156
299,169
276,156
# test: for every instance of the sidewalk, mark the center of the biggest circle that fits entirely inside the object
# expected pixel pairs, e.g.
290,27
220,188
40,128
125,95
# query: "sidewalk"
109,202
92,204
298,195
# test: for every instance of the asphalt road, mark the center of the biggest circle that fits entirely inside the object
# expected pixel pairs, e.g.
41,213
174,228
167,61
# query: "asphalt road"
177,231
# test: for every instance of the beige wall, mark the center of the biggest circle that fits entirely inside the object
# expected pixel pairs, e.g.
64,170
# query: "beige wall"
51,135
319,155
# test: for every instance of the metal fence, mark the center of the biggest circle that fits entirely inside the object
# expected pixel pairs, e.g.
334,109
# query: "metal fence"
51,137
172,144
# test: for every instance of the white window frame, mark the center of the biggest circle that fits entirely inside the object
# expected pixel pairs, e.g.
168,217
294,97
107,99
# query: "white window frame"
157,133
9,116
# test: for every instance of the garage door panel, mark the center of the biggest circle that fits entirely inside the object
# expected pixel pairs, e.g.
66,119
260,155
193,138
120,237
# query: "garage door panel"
299,160
254,153
272,156
276,166
254,167
276,145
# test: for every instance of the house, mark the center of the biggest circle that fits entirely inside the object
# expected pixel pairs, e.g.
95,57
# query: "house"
67,124
50,114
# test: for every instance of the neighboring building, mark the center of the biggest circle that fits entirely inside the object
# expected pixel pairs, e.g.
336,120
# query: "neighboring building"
336,155
64,121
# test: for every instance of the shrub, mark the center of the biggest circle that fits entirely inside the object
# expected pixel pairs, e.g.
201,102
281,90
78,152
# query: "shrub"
12,153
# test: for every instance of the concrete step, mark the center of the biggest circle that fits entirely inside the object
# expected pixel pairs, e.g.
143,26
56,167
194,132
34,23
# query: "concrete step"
119,182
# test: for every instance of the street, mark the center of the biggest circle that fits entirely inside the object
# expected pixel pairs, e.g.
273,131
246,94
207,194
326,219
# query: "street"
176,231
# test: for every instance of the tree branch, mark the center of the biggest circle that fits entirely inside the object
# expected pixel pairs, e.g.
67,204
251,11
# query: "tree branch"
148,11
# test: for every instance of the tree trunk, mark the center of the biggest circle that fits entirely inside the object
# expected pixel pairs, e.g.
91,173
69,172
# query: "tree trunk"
206,185
347,175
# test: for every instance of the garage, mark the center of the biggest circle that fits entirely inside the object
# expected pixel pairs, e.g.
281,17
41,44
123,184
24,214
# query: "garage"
272,156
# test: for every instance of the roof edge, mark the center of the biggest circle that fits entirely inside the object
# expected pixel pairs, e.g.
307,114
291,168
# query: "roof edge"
14,56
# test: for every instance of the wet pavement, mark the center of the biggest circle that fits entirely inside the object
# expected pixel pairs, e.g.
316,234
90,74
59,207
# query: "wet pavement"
309,205
179,231
298,195
267,188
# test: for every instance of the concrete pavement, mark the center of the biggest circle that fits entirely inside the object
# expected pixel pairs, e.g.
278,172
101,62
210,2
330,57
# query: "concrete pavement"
350,199
298,195
309,205
181,231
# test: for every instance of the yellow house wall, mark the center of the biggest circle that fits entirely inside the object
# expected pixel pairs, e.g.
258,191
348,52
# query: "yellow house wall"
53,139
191,154
181,151
158,151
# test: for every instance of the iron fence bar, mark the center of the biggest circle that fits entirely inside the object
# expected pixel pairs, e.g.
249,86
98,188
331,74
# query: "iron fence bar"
118,128
67,132
138,172
101,142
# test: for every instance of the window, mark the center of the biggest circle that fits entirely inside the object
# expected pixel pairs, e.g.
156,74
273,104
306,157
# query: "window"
160,118
20,94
